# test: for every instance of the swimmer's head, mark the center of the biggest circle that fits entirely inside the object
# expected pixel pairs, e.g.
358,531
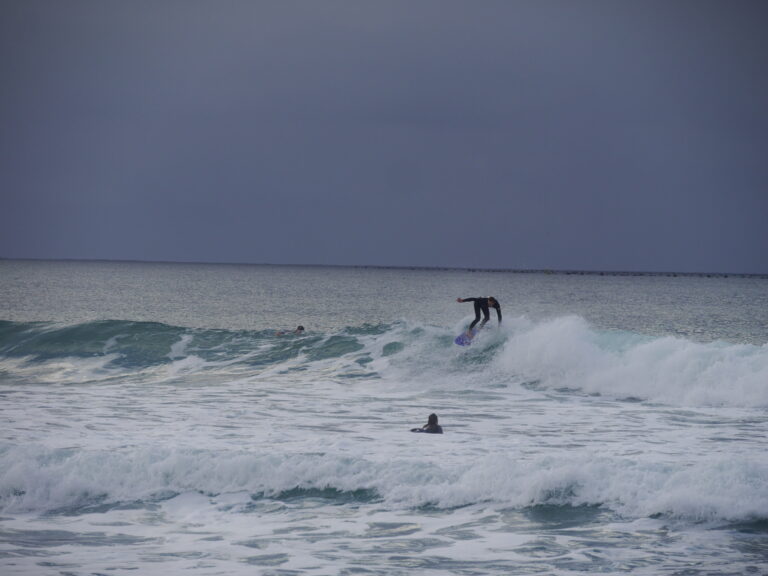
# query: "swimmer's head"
432,419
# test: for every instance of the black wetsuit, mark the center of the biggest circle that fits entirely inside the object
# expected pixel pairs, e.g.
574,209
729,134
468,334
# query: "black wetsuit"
481,305
429,429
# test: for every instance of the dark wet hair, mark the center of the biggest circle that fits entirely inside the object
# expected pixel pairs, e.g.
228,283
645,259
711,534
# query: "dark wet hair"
300,328
498,305
432,419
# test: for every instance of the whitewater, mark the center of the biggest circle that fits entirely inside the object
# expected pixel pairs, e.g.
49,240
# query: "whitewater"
159,418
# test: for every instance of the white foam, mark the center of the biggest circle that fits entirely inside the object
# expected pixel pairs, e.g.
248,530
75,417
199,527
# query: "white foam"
185,366
179,349
568,352
66,370
725,488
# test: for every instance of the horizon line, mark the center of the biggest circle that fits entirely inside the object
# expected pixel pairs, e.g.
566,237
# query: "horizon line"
558,271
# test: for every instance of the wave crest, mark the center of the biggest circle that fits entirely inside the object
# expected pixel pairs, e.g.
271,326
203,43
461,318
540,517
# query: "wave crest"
729,489
567,352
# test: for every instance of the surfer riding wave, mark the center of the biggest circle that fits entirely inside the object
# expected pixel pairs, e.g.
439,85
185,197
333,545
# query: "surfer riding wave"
482,305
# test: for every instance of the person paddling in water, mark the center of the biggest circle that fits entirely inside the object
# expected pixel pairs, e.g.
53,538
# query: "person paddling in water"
431,427
482,305
299,330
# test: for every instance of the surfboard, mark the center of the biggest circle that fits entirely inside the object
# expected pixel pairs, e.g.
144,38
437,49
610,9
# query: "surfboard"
465,338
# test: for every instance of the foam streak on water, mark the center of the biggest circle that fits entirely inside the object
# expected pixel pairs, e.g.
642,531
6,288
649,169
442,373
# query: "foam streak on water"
573,443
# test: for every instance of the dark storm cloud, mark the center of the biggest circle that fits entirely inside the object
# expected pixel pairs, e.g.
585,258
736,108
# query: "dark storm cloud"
595,135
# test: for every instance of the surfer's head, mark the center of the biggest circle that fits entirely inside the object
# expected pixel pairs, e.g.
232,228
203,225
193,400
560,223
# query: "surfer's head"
493,303
300,328
432,420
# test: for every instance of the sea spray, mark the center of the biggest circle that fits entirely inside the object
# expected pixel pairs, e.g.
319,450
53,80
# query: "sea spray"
567,352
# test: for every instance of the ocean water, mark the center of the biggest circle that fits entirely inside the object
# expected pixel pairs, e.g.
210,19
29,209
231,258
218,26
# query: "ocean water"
152,421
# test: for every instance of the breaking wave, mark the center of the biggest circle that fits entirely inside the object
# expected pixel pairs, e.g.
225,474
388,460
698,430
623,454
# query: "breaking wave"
565,353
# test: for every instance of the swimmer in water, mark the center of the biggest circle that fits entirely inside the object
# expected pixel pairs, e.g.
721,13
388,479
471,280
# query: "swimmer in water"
431,427
299,330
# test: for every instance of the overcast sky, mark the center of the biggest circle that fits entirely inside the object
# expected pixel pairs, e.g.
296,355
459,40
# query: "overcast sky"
544,134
